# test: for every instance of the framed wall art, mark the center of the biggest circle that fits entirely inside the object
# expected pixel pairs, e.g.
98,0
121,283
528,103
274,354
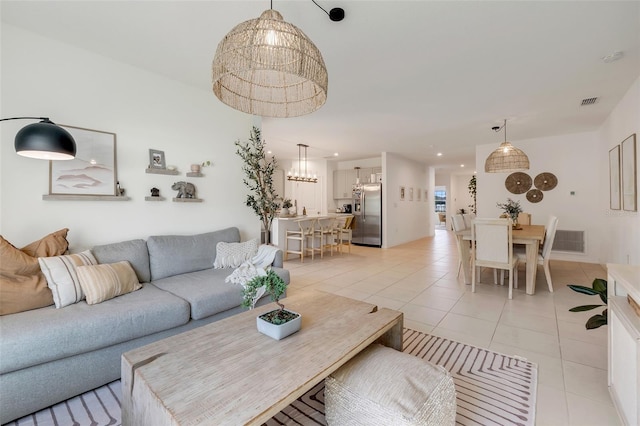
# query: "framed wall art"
156,159
92,172
614,178
402,193
629,174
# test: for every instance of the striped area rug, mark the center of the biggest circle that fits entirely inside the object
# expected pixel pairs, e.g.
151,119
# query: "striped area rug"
492,389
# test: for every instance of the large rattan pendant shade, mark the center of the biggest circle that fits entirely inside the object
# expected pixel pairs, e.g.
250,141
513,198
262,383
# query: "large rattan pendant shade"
507,158
270,68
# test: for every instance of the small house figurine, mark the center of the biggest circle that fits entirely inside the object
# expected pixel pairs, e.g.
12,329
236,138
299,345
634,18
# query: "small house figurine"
155,192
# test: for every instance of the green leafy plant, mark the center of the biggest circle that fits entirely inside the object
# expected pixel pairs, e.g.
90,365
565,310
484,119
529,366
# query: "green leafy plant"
472,191
287,203
511,208
259,179
598,288
275,286
206,163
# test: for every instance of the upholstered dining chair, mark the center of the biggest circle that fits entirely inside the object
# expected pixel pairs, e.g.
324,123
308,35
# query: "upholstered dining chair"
492,247
544,256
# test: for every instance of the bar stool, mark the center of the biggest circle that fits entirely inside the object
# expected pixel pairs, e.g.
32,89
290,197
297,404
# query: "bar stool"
345,233
327,231
301,235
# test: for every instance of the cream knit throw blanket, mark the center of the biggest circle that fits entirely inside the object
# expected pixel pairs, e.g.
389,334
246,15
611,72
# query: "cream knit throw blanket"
256,266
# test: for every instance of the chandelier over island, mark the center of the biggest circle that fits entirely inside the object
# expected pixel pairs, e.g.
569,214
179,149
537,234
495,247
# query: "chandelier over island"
299,175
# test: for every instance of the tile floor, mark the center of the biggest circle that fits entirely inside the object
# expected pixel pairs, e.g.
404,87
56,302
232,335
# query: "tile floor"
420,279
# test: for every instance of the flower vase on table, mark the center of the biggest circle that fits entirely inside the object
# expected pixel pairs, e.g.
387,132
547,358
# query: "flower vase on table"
511,209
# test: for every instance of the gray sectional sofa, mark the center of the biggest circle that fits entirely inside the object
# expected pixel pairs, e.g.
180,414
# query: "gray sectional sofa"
48,355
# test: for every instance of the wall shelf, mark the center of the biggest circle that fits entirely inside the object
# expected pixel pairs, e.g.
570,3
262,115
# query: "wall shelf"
162,171
68,197
154,198
194,174
187,200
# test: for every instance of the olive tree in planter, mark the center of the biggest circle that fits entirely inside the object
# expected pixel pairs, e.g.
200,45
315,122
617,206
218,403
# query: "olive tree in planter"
259,179
280,322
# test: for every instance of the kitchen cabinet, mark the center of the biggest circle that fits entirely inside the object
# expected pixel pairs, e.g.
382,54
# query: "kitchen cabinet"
623,282
343,181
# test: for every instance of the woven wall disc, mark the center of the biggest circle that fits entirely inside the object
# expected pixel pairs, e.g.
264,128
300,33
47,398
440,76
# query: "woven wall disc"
518,183
545,181
535,196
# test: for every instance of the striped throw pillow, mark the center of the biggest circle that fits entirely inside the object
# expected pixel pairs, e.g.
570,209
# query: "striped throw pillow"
106,281
62,279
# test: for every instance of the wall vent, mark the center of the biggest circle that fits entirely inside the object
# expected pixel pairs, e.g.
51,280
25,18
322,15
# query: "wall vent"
589,101
569,241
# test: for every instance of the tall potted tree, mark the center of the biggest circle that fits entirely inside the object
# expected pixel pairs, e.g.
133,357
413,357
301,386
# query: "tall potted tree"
259,179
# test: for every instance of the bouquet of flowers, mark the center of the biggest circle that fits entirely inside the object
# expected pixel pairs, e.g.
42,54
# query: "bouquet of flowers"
511,209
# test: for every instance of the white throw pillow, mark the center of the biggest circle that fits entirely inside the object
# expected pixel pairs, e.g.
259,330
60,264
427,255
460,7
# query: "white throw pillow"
231,255
62,278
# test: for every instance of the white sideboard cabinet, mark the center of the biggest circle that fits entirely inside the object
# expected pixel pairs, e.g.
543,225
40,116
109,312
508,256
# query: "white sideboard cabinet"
623,281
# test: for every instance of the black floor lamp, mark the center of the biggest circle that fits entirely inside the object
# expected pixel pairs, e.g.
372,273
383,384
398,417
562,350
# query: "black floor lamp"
44,140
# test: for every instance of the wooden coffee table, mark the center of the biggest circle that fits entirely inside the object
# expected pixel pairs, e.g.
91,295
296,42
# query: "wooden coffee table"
228,373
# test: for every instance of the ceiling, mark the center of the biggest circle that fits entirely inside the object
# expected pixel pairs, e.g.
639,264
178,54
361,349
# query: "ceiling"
411,77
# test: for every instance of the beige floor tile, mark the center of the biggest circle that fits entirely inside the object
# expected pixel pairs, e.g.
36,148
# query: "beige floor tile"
551,407
480,310
384,302
530,322
589,412
586,381
576,331
418,326
533,341
435,302
423,315
584,353
469,339
398,293
463,324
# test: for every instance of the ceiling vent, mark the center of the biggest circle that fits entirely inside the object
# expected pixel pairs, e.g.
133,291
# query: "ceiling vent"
589,101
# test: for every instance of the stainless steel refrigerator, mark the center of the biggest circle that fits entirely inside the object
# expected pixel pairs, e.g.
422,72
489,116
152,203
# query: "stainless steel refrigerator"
367,211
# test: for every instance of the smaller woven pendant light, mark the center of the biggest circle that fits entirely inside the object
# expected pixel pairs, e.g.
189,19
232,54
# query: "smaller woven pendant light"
270,68
507,158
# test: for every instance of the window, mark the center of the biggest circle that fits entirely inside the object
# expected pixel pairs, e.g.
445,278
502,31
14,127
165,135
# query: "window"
441,200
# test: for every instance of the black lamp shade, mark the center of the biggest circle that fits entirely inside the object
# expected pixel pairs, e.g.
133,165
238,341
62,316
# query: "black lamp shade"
45,140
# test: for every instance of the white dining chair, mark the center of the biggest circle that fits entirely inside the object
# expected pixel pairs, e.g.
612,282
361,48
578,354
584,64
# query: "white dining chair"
468,218
544,256
492,247
524,218
457,221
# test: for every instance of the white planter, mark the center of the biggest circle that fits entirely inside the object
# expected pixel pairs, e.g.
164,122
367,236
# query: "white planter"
281,331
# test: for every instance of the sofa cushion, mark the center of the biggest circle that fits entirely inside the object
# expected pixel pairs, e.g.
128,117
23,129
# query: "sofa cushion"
232,255
206,291
22,285
171,255
46,334
134,251
62,278
106,281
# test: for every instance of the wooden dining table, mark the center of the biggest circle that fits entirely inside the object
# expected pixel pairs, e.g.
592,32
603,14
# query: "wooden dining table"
530,235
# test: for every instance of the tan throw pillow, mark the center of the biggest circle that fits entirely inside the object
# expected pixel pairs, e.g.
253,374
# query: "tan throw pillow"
104,282
231,255
22,285
62,278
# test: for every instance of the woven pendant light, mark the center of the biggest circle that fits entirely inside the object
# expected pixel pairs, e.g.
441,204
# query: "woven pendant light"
270,68
507,158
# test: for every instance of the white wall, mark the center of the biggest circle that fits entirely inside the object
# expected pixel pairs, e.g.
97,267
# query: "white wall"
312,196
405,221
43,77
621,228
574,160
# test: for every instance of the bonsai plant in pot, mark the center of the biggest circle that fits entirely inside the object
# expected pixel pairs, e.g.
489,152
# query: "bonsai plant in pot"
258,172
278,323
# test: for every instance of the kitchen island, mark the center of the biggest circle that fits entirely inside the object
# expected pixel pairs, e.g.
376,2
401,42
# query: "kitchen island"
280,225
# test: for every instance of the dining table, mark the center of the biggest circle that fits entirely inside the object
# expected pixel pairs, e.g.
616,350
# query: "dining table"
531,236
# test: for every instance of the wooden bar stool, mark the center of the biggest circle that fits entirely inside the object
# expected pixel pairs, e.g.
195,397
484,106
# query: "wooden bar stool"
301,235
